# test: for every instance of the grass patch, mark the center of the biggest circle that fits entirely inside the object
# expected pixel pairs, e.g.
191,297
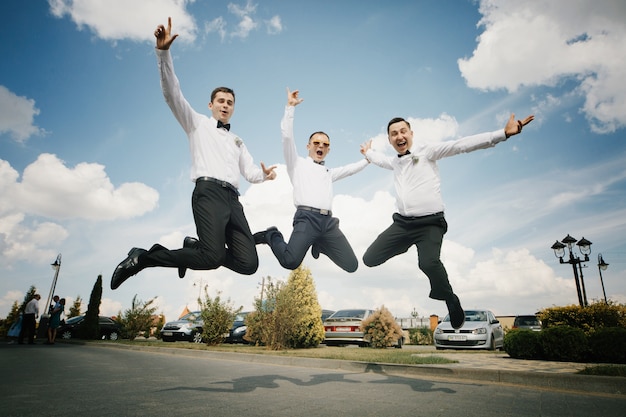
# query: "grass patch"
391,355
604,370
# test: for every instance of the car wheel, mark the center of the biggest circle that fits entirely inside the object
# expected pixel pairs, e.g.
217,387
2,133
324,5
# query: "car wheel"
197,337
114,336
492,343
66,335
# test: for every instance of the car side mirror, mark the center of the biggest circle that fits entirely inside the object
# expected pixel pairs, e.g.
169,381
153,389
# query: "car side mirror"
496,321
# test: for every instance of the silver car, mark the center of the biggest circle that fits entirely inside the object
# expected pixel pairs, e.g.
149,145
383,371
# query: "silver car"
343,327
481,331
188,327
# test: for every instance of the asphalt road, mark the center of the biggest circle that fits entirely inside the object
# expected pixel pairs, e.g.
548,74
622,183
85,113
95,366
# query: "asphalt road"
88,380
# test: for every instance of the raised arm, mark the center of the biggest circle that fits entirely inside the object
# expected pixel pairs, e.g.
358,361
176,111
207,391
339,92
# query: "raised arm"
164,36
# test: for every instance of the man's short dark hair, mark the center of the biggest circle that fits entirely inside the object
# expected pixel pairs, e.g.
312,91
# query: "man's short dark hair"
222,90
396,120
315,133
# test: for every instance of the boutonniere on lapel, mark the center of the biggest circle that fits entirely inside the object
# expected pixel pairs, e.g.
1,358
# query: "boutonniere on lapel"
415,159
238,142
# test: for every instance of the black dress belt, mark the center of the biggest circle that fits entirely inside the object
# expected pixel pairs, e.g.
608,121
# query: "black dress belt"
323,212
224,184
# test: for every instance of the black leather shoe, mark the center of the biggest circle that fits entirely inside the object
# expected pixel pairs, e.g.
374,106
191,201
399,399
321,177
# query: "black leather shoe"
457,315
127,268
188,242
262,237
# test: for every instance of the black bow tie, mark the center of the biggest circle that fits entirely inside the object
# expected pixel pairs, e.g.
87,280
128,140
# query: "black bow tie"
224,125
401,155
319,162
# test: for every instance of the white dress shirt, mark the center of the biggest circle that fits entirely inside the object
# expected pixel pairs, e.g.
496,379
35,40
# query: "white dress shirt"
32,307
312,182
215,153
416,175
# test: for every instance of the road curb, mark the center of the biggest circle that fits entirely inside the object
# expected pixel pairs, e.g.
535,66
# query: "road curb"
562,381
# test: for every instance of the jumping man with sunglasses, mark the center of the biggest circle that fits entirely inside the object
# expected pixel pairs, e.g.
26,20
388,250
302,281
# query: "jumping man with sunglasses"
313,224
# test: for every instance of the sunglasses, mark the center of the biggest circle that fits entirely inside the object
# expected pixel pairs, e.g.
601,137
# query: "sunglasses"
318,143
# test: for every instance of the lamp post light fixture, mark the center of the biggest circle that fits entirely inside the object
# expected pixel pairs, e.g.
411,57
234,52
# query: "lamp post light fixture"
584,246
602,266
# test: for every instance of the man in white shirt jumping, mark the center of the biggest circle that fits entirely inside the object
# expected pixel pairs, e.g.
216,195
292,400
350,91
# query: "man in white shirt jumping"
420,219
313,223
218,158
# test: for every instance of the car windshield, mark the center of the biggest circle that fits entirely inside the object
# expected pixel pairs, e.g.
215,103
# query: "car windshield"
74,320
193,316
342,314
241,316
472,315
527,321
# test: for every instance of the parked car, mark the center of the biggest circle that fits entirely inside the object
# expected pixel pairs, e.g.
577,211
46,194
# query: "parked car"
343,327
71,328
481,330
188,327
238,330
530,322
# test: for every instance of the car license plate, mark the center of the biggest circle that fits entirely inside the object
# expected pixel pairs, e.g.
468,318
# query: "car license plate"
168,334
343,329
457,337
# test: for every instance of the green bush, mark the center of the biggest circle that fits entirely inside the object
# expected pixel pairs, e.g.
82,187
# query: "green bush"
608,345
523,344
564,343
289,317
421,336
595,316
137,319
381,329
217,318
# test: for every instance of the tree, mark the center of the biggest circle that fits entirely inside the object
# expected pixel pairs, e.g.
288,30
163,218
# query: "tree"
289,316
217,317
91,326
138,318
75,308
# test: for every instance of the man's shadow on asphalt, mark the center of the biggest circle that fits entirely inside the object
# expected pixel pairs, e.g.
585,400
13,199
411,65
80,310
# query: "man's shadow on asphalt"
251,383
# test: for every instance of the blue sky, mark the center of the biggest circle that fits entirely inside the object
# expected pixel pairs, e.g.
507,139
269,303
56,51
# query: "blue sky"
93,163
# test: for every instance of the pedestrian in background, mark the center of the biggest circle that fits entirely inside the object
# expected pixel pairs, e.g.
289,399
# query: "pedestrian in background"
29,320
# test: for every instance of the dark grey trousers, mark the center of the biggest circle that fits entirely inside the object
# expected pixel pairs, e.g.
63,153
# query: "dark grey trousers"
426,233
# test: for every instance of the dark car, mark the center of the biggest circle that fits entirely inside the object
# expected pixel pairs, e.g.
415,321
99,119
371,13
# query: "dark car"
188,327
237,330
529,322
72,328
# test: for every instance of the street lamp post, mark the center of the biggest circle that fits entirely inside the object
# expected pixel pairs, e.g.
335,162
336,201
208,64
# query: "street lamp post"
602,266
584,246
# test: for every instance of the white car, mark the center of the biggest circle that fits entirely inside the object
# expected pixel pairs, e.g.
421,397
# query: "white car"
481,330
188,327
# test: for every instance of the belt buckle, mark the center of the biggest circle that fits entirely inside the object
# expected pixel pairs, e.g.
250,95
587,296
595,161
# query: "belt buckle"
324,212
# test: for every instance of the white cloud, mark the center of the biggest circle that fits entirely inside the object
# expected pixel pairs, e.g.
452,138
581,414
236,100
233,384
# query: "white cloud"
274,25
537,43
51,189
17,115
136,20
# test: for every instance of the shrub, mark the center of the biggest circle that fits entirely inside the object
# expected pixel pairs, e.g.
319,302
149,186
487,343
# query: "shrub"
564,343
381,329
608,345
217,318
522,344
592,317
421,336
289,316
137,319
